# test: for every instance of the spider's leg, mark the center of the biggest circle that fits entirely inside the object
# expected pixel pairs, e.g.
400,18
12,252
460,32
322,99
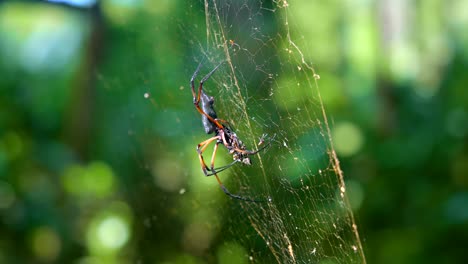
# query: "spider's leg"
223,121
201,148
192,84
225,190
222,168
212,169
196,97
209,75
251,152
235,196
213,157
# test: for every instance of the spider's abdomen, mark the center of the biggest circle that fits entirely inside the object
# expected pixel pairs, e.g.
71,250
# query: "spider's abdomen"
207,107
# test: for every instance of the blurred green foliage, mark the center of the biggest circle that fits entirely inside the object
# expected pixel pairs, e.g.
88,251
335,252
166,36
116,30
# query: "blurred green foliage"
97,129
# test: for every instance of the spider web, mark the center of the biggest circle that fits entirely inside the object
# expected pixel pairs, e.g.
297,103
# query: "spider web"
266,85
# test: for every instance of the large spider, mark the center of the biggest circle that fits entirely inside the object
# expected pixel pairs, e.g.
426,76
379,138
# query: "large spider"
222,135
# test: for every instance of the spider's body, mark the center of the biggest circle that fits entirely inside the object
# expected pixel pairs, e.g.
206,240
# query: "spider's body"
207,107
225,135
222,134
235,144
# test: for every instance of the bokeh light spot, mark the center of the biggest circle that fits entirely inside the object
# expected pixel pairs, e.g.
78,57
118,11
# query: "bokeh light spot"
232,253
46,244
168,175
347,138
78,3
113,232
197,237
109,231
96,180
37,44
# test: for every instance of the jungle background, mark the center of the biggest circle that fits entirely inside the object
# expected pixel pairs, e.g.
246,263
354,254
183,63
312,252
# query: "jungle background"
98,130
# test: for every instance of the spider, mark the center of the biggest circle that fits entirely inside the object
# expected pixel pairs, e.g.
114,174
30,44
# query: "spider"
222,134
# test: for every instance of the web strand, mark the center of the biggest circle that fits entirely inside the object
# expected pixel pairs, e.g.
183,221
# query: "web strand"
309,218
